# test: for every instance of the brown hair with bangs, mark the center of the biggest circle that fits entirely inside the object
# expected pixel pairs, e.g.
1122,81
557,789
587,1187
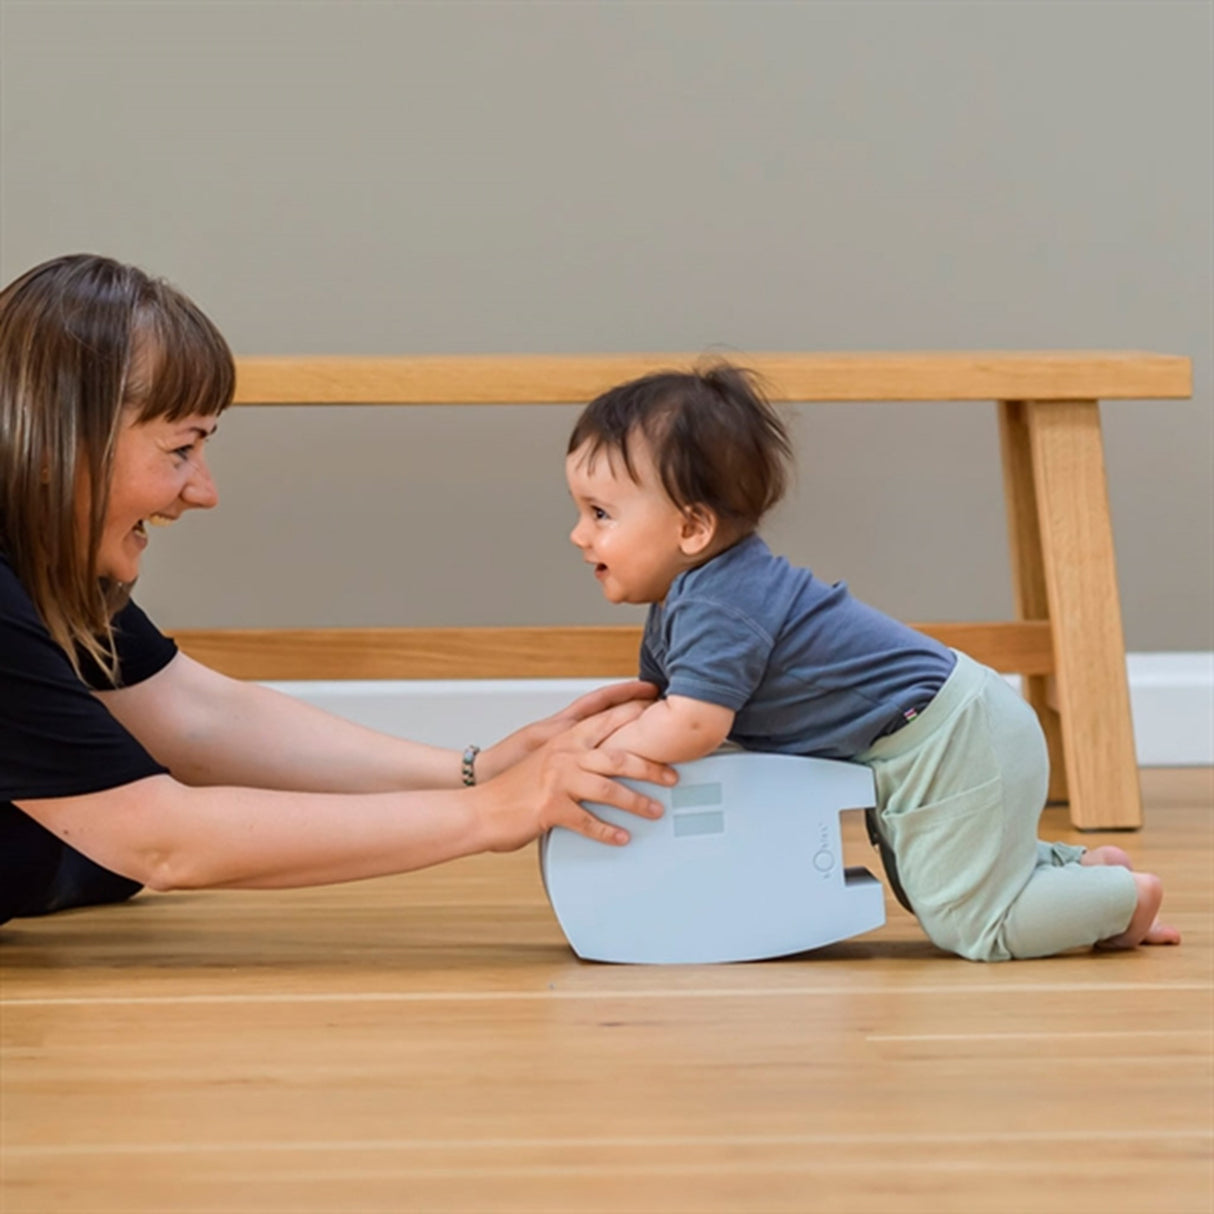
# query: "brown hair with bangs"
715,439
83,340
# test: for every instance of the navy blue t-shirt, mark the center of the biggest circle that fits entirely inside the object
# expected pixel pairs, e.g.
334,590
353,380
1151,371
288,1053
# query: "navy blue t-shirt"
807,668
56,738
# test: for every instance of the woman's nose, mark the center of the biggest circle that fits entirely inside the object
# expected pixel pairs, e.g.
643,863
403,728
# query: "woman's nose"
200,492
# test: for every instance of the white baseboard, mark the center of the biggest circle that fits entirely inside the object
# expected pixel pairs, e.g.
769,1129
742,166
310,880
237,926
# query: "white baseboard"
1171,699
1172,702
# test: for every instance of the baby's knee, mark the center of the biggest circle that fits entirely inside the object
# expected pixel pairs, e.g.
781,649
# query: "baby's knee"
965,937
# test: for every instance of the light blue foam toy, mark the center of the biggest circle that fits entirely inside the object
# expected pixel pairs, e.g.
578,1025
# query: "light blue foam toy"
746,863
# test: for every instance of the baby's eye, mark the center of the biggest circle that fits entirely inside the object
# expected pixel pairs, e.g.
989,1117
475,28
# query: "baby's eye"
598,513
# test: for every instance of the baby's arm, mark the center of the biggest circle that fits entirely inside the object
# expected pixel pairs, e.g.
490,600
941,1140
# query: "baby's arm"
675,730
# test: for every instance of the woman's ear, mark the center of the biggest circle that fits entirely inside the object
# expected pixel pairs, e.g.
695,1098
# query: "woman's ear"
698,531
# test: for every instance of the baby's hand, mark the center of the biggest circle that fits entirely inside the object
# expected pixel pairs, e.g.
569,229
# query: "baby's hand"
518,745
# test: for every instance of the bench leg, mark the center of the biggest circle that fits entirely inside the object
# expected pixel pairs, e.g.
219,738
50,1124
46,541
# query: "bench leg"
1085,612
1028,573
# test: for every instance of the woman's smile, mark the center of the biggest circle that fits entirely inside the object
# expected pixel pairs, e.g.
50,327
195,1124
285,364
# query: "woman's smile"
160,471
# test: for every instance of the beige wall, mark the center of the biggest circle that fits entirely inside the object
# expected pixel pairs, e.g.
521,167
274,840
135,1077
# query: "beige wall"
403,177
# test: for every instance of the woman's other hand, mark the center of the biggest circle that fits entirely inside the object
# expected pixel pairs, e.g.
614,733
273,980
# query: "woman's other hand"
494,760
546,788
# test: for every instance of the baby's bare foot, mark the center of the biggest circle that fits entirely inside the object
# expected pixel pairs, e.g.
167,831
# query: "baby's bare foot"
1161,933
1108,854
1144,926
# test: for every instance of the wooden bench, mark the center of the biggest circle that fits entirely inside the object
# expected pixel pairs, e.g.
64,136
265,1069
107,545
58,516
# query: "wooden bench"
1067,642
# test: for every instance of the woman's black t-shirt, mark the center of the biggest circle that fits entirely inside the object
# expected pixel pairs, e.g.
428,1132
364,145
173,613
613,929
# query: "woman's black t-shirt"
56,738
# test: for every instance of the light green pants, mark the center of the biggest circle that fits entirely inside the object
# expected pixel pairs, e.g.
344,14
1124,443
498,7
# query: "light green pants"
959,794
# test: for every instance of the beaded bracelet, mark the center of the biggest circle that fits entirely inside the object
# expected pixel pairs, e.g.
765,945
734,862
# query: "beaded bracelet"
467,767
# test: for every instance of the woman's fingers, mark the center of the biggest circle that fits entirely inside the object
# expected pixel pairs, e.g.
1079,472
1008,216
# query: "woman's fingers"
607,791
603,698
603,789
602,725
510,750
552,785
585,823
623,764
601,770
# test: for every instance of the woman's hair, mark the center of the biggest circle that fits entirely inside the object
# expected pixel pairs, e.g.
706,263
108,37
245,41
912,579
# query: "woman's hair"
715,439
83,341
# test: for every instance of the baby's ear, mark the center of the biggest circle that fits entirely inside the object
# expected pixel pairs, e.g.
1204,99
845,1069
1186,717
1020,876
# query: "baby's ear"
699,530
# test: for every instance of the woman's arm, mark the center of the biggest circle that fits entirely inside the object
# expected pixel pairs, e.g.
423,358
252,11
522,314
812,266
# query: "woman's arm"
213,730
675,730
169,836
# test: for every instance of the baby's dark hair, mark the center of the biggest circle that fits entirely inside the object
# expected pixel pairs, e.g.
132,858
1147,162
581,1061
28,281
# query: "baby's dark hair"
715,438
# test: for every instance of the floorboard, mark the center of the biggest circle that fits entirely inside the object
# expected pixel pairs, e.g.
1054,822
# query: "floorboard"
429,1043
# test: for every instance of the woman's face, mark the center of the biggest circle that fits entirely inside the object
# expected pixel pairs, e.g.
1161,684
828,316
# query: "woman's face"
160,472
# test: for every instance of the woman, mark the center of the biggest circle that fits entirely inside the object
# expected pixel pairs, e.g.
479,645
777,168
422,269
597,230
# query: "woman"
124,763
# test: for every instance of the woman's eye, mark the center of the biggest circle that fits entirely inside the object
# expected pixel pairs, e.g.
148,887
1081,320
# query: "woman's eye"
183,453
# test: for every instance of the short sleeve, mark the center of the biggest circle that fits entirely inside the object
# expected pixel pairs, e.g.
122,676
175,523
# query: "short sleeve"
651,668
56,738
714,653
143,650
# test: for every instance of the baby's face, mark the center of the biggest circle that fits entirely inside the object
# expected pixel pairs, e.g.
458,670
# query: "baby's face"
633,535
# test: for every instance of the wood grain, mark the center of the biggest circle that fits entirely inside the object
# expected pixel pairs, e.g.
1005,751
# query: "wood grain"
428,1043
1080,571
575,378
518,653
1028,574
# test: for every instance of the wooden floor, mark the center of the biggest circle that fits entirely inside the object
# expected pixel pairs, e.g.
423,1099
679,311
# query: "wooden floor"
430,1044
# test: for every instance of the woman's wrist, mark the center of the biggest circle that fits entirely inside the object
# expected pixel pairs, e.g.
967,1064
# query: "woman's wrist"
467,765
489,763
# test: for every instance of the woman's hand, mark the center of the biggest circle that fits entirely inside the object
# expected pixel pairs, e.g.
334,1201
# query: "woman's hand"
496,759
545,788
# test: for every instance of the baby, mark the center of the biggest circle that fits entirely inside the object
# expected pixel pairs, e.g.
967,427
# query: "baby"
671,475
